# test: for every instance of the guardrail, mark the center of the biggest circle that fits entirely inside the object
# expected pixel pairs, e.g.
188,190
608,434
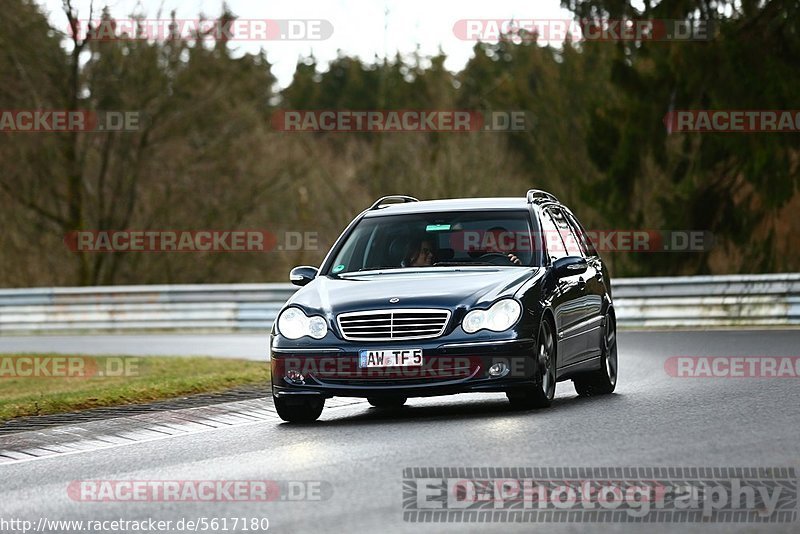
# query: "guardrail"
695,301
699,301
228,307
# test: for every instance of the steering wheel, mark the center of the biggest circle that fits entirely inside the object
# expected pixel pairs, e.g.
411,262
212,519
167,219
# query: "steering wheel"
496,258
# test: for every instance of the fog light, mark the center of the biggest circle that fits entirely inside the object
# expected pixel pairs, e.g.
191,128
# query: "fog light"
292,375
498,369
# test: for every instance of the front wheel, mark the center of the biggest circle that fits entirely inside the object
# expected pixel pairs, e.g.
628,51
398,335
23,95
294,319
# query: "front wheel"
295,410
603,381
540,395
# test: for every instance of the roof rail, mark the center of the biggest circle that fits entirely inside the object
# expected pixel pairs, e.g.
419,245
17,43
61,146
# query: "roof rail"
392,199
534,194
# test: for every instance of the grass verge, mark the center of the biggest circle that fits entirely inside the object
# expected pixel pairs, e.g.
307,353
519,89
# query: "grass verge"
40,384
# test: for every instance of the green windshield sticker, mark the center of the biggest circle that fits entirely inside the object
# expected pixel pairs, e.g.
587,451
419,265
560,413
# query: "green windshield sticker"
437,227
338,268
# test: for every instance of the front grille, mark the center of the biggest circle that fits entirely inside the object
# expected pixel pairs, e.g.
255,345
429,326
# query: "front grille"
387,325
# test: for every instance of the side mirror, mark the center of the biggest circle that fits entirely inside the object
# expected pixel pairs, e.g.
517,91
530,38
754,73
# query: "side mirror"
301,276
570,266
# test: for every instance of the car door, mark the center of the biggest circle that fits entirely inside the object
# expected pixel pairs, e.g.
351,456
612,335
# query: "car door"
565,295
586,326
595,290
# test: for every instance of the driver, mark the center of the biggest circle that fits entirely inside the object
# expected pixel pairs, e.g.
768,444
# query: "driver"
420,253
492,248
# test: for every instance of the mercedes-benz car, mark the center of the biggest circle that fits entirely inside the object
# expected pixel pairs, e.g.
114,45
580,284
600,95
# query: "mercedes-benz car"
424,298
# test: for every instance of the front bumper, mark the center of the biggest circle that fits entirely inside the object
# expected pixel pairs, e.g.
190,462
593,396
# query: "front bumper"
448,368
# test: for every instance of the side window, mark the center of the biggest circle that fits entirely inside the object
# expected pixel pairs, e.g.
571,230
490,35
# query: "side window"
566,233
552,237
583,240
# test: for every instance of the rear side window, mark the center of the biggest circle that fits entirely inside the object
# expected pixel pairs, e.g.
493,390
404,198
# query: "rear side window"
583,240
552,237
567,233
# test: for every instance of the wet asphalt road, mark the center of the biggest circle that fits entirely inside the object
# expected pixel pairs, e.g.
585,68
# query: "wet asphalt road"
653,419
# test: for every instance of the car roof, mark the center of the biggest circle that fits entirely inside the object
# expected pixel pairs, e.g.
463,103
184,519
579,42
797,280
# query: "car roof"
451,204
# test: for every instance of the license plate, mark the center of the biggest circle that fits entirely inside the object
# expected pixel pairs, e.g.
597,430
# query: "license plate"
390,358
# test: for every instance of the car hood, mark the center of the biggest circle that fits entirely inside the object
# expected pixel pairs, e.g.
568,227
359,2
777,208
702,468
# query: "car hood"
431,287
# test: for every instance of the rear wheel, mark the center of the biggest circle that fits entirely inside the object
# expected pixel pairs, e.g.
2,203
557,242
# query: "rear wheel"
540,395
604,380
387,402
299,410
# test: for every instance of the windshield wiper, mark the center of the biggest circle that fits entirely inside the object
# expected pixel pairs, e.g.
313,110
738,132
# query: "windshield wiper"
462,264
377,268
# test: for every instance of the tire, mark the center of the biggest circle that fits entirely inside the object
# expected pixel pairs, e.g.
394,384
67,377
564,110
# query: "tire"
387,402
540,395
294,410
603,381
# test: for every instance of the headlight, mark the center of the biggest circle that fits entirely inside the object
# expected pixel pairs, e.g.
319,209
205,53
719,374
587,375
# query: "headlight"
501,316
294,324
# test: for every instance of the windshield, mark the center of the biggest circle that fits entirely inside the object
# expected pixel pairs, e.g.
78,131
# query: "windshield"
501,238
